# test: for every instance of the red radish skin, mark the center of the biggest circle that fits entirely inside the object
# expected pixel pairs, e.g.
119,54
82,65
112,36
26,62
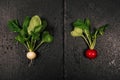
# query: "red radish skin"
91,53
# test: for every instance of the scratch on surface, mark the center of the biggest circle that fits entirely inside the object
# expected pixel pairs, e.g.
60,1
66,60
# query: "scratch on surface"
112,62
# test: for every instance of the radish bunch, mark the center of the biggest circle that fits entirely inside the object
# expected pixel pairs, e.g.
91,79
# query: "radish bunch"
82,29
31,34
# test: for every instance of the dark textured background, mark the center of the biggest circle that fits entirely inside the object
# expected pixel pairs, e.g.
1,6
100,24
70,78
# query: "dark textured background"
13,61
107,65
64,58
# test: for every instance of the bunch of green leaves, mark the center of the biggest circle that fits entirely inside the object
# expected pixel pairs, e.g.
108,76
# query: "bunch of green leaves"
32,33
82,28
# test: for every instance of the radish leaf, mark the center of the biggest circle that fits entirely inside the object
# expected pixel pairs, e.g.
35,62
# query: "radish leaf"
87,22
26,23
34,22
13,26
82,29
20,39
35,36
77,32
37,29
31,32
46,37
102,29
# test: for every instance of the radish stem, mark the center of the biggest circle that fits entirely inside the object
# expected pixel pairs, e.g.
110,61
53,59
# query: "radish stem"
39,45
26,46
85,40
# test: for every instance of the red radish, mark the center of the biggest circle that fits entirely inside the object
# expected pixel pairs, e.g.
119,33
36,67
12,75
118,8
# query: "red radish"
82,29
91,53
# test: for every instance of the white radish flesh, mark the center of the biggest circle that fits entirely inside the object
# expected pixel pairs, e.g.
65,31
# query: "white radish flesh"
31,55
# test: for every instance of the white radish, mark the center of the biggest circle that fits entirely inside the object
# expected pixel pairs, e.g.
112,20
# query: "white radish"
31,55
34,27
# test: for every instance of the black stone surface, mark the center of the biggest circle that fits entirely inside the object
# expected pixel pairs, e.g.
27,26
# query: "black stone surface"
13,61
64,58
107,65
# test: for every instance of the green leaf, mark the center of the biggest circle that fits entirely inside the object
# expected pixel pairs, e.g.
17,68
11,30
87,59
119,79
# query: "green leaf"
34,22
78,23
87,22
77,32
102,29
13,26
30,32
20,39
44,24
37,29
35,36
40,28
46,37
16,22
82,24
86,25
23,33
26,23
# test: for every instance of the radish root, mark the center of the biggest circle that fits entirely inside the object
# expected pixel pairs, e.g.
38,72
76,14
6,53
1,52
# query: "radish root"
30,63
